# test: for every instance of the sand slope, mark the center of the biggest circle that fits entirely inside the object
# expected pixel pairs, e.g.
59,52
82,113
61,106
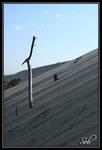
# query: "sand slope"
64,111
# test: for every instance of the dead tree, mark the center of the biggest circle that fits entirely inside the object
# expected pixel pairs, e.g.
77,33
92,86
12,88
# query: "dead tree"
30,75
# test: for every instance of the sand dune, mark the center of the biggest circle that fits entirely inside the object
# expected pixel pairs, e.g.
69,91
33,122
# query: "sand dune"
64,111
23,75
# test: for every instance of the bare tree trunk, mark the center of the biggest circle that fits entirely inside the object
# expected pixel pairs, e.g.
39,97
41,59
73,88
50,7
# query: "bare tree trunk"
30,85
30,75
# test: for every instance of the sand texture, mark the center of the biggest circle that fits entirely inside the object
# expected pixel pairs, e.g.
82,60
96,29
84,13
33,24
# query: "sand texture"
64,111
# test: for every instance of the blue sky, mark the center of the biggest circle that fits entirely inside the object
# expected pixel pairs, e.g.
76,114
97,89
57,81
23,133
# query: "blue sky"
63,31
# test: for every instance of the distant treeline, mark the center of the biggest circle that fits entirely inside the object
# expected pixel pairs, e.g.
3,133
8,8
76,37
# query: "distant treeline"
12,83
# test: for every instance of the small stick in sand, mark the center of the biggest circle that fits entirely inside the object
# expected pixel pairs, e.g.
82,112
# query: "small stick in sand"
16,111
